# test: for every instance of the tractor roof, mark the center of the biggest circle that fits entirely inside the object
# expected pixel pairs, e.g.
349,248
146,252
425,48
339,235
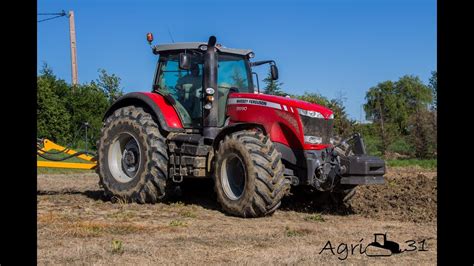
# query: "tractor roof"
196,46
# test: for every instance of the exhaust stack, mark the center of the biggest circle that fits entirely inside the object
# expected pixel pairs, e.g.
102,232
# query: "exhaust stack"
210,116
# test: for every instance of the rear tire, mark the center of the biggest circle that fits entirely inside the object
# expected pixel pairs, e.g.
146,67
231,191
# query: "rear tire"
248,176
132,157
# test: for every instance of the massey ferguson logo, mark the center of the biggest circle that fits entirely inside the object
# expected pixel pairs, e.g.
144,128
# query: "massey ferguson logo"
247,101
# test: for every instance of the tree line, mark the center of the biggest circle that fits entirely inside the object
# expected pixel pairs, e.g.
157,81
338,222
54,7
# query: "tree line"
401,114
63,110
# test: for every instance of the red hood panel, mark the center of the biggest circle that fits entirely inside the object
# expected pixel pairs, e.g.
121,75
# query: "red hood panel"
326,112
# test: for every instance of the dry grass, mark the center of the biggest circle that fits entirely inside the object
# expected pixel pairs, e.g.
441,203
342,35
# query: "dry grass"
178,223
76,225
66,226
187,214
296,232
315,217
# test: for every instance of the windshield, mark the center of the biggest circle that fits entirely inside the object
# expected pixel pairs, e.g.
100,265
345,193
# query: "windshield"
232,72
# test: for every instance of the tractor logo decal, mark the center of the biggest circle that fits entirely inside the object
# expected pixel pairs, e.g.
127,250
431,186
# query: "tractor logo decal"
254,102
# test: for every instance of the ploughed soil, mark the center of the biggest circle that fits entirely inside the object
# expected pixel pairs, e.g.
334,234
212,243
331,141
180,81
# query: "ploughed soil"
78,225
410,194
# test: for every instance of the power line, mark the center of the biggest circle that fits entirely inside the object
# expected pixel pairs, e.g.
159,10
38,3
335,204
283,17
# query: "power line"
49,18
57,15
50,14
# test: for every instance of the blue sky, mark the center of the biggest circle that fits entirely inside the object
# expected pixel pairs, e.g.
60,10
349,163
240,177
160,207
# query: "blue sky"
330,47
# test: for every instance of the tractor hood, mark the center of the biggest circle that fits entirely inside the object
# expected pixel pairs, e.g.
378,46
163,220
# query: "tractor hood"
284,102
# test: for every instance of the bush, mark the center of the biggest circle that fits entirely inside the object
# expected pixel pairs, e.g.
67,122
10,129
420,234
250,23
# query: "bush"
426,164
62,109
423,133
53,119
372,145
401,146
87,103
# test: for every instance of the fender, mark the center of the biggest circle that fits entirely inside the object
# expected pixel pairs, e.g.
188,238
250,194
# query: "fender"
293,156
233,128
163,111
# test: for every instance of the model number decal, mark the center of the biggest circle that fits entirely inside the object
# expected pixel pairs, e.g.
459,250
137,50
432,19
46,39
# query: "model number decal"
241,108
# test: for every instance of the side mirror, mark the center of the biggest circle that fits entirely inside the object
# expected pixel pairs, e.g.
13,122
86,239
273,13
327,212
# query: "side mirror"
184,61
274,72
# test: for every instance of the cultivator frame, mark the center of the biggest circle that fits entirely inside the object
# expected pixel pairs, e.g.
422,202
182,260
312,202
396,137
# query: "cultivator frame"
45,148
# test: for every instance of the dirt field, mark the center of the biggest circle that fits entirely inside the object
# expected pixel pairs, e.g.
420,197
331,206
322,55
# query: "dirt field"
77,225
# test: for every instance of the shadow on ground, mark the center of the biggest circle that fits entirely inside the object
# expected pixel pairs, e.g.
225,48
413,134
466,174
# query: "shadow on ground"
201,192
305,201
92,194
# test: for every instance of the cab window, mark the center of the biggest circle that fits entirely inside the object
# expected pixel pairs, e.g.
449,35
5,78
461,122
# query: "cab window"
185,86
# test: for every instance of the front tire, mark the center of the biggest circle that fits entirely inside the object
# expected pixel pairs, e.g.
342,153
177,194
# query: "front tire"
249,179
132,157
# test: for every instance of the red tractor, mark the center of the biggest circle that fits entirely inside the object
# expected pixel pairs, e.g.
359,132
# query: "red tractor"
205,119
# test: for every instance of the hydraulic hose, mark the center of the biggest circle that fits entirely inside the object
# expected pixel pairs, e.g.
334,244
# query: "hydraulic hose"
64,158
52,152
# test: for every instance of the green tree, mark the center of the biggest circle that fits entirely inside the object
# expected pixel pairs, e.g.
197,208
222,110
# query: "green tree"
87,104
423,133
433,85
372,140
394,102
110,85
381,108
413,95
52,116
342,124
273,87
313,97
62,111
391,104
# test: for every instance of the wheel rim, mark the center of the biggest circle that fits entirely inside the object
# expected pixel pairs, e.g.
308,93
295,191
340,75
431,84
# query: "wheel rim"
233,177
124,157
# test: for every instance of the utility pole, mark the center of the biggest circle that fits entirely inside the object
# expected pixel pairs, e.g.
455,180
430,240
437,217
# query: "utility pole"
72,40
72,34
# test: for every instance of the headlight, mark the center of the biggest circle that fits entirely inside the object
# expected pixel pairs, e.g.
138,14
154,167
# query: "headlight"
313,139
310,113
313,114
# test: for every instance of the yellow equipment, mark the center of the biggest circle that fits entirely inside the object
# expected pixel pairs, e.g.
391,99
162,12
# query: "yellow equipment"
45,146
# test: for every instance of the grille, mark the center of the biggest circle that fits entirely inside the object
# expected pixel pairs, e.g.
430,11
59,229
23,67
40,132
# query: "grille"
318,127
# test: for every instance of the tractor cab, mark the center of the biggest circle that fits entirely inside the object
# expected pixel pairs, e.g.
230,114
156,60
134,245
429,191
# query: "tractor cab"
180,74
184,69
